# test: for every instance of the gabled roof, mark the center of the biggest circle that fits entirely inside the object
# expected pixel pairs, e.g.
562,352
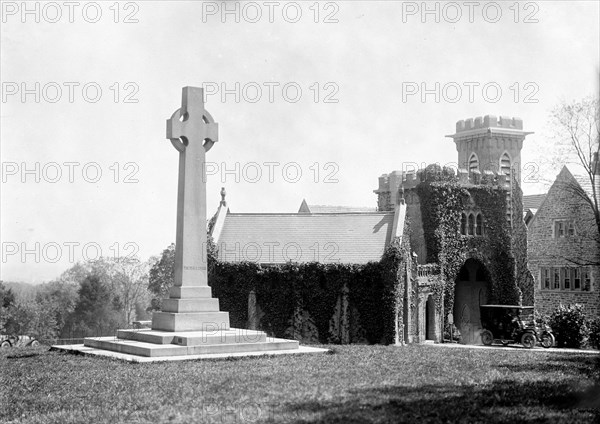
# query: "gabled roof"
305,237
574,184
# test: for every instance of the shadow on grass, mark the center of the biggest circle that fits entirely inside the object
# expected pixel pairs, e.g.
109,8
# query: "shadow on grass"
502,401
23,355
509,399
585,364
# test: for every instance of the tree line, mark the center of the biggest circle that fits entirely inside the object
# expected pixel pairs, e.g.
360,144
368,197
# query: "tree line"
92,298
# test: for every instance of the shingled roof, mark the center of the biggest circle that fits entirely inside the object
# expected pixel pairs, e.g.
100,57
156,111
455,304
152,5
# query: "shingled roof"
272,238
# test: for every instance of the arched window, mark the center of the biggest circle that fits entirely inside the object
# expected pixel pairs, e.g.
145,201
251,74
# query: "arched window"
505,164
473,162
471,224
463,224
479,225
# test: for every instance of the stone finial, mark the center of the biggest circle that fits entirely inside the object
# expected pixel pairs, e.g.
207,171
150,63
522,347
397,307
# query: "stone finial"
223,194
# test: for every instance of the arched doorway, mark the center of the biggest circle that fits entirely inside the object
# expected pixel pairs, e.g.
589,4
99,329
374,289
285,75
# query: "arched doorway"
472,288
430,318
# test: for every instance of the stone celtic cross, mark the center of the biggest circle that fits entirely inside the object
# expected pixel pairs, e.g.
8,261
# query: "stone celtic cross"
193,132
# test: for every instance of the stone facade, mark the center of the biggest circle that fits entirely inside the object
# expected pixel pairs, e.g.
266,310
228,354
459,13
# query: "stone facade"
563,249
489,140
489,154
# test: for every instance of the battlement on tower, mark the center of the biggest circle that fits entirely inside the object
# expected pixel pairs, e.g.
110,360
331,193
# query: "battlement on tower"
489,121
393,185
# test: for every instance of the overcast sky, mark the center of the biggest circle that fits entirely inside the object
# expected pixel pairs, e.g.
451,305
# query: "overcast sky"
314,110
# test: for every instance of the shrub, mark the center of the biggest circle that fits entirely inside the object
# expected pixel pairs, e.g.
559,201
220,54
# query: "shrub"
569,326
594,340
540,319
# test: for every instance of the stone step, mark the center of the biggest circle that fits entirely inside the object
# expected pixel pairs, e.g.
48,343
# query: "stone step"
193,338
190,305
186,292
154,350
190,321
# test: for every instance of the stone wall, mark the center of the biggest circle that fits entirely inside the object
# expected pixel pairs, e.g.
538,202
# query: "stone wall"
415,219
489,137
525,279
546,250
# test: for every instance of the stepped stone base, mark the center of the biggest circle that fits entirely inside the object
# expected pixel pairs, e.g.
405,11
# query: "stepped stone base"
190,326
155,343
81,349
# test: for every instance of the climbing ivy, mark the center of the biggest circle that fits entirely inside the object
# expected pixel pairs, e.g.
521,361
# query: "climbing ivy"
281,290
443,199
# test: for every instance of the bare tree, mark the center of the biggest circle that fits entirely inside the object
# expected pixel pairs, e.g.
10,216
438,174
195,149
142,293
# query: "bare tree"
577,133
129,279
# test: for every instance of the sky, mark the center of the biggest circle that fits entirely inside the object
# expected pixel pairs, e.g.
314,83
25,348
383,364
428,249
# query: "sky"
313,100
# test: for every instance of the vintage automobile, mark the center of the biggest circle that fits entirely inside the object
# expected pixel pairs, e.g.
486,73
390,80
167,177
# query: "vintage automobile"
17,341
513,324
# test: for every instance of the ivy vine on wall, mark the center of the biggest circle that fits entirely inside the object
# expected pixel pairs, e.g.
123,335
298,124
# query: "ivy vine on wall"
285,289
443,199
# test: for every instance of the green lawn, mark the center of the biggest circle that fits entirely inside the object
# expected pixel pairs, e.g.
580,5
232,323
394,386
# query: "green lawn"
353,384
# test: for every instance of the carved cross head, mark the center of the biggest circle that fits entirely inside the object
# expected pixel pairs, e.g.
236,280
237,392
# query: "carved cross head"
192,123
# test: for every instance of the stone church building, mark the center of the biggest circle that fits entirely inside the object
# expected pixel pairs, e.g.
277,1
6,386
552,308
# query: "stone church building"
465,235
563,245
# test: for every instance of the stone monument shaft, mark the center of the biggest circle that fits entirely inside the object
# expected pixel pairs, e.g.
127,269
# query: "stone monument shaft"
190,306
191,322
192,131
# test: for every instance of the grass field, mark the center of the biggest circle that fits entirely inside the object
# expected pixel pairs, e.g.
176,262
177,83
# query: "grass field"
352,384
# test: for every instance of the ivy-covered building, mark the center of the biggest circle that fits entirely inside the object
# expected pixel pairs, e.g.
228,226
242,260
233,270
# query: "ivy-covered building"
439,244
467,230
324,274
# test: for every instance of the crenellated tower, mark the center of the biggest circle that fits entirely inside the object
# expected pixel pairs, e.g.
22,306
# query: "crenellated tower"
491,144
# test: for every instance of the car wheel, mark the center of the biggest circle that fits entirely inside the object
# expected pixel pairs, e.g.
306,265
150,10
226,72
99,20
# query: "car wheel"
528,340
35,343
547,340
5,344
487,338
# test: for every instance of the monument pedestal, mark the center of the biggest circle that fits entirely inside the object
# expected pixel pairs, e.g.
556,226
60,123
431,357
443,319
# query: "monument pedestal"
152,343
193,310
188,327
190,323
